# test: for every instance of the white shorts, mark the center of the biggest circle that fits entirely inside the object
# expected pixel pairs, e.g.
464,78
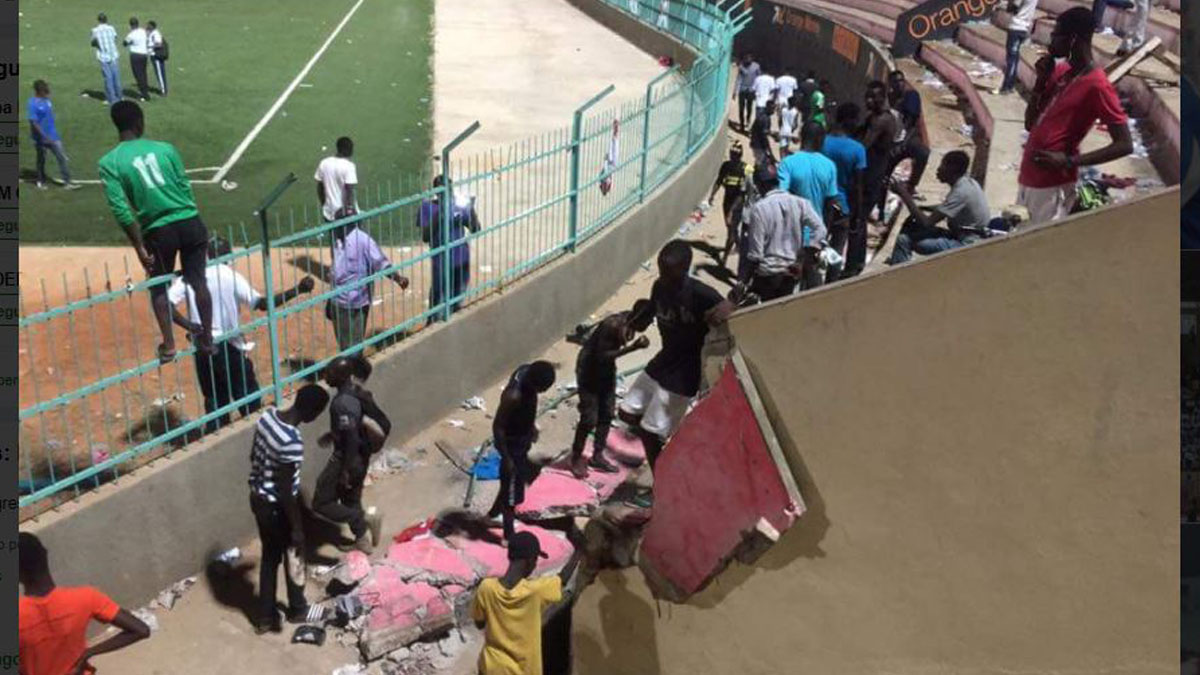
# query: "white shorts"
661,410
1047,204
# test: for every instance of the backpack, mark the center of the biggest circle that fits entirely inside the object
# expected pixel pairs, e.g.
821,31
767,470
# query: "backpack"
162,52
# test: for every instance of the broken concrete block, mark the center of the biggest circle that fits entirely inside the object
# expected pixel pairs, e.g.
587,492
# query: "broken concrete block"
720,486
431,560
555,494
399,612
624,447
354,568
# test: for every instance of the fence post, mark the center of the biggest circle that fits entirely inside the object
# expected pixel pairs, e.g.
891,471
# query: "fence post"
576,141
446,214
269,281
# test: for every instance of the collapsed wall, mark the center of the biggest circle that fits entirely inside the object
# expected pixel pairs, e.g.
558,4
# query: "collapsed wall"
986,444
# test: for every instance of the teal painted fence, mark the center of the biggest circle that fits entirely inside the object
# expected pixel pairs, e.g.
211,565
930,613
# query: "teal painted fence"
95,402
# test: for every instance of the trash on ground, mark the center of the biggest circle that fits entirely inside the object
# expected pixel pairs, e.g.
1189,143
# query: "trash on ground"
474,403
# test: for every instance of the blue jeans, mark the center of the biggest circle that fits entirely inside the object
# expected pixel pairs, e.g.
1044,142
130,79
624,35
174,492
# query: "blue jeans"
56,148
112,81
924,241
1012,58
1098,7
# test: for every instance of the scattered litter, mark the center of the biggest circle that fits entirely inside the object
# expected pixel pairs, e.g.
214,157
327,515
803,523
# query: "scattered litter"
966,130
1011,166
569,388
391,460
1108,31
147,618
424,100
474,403
309,635
230,557
932,81
321,570
349,41
169,597
1139,146
358,82
305,85
228,185
646,266
283,113
350,669
457,424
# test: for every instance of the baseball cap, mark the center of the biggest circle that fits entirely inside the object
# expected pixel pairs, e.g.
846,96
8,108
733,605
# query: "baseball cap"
523,546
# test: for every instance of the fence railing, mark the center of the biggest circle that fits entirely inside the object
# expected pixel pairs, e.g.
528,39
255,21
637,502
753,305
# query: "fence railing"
95,402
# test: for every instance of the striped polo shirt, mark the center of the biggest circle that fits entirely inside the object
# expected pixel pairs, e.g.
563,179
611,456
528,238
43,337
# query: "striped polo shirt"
106,37
275,443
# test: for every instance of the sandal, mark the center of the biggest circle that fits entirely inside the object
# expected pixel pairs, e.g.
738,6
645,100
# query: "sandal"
165,354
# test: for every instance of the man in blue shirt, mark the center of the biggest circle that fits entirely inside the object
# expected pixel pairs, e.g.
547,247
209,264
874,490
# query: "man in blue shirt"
462,219
850,158
45,135
812,176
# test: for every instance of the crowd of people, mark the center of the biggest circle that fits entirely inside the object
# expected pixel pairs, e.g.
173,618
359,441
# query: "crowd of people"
797,216
822,169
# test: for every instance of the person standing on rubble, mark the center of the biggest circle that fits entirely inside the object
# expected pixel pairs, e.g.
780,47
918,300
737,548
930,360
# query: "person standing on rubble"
596,373
684,309
338,494
514,433
508,609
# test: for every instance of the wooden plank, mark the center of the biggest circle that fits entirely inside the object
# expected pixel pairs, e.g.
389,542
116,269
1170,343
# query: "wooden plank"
1168,57
1121,67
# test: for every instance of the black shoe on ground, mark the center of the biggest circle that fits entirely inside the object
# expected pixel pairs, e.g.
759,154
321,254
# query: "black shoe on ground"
268,625
598,463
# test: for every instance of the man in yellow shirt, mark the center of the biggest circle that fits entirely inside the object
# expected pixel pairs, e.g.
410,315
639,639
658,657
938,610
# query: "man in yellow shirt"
509,608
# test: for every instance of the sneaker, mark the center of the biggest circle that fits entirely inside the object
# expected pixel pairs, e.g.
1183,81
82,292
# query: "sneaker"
374,525
642,501
72,186
269,625
306,614
600,464
40,185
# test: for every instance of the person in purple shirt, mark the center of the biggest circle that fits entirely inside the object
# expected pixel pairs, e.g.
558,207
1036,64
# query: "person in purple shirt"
356,255
463,218
45,135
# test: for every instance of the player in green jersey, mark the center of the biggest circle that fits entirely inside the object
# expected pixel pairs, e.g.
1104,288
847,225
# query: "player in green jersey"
151,198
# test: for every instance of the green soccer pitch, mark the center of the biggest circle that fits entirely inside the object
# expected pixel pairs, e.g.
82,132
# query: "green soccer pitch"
231,62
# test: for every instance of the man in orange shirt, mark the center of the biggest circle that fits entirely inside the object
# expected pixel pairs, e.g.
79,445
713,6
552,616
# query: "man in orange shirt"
53,621
509,608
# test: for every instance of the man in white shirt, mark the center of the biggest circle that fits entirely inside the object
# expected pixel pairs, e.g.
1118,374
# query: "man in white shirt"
336,179
228,376
1019,24
104,41
138,43
158,55
764,89
785,87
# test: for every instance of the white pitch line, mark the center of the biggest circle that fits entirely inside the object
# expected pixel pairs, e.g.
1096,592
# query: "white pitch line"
202,169
241,148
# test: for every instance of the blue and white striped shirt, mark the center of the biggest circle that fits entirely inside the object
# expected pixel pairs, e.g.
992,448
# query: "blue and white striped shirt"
106,37
275,443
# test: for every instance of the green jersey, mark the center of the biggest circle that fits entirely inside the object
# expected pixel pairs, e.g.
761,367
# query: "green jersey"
817,107
144,181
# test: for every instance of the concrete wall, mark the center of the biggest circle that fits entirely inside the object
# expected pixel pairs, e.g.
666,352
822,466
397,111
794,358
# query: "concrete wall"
987,443
784,37
159,524
646,38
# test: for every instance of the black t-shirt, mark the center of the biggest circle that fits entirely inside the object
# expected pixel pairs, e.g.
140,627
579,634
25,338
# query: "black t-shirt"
733,177
680,317
759,132
593,372
520,422
345,420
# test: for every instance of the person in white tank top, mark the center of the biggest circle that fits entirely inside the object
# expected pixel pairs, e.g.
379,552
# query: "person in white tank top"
787,125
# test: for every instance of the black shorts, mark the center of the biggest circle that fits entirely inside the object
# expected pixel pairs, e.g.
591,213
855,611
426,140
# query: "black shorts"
513,486
596,404
187,238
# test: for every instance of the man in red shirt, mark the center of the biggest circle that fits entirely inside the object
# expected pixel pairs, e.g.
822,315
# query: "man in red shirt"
1067,100
52,621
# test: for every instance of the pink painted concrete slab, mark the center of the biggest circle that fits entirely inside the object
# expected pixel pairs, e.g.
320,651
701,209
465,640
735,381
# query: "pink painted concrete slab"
714,483
431,560
492,559
605,484
395,604
623,447
557,493
357,566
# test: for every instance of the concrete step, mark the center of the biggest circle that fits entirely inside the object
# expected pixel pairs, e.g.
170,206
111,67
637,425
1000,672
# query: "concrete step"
1162,22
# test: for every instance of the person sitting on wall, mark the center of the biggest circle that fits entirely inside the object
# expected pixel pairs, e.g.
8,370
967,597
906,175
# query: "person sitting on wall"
965,211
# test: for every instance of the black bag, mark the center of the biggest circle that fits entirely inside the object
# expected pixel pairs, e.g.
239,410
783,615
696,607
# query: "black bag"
162,52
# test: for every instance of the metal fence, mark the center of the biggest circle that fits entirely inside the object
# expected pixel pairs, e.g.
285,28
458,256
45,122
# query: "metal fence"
95,402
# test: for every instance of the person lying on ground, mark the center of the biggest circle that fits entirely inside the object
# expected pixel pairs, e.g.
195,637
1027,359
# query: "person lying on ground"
52,621
275,458
965,211
514,432
508,609
596,374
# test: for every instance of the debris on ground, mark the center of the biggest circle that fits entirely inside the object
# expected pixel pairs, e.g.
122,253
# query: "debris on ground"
390,460
457,424
474,403
350,669
147,617
229,557
169,597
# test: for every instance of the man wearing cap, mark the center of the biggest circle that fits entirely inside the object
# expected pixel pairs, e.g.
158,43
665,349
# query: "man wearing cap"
508,609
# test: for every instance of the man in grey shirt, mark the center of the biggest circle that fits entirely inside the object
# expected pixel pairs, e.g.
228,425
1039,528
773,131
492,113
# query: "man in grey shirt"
965,211
748,71
783,230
